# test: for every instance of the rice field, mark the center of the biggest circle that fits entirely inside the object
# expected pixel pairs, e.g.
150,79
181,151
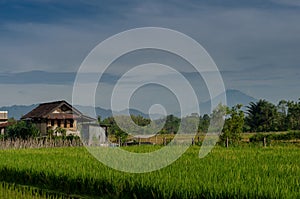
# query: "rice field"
239,172
13,191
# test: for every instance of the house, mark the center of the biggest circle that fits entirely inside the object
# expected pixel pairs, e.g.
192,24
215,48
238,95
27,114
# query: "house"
51,115
3,121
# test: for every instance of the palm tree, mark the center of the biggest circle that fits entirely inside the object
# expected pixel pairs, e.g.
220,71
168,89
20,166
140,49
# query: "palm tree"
262,116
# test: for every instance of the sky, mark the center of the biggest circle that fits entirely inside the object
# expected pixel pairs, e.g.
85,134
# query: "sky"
255,44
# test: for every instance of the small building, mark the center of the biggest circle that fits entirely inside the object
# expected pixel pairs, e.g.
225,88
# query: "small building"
3,116
94,135
3,121
51,115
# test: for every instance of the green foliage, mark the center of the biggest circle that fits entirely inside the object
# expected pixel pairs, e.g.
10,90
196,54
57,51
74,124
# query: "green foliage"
217,119
170,124
259,137
60,131
282,119
204,123
72,137
23,130
50,133
140,120
233,126
262,116
293,115
114,129
248,172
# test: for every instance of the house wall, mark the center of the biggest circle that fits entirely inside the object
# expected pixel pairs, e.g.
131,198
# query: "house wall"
68,124
42,127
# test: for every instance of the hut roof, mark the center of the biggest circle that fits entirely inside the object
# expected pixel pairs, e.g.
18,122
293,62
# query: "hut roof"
45,110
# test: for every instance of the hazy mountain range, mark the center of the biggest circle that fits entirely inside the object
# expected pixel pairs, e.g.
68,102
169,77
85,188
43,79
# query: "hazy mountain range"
233,97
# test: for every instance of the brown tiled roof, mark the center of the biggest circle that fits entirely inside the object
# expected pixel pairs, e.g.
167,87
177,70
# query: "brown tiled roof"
46,108
6,124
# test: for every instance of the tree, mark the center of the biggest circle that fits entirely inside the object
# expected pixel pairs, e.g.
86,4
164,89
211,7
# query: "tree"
293,115
99,119
204,123
282,109
234,124
140,120
170,124
217,119
23,130
114,129
262,116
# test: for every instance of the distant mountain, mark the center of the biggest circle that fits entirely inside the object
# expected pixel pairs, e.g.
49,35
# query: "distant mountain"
233,97
90,111
237,97
104,113
17,111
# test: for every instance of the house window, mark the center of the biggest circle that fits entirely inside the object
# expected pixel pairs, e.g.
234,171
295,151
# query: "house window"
71,123
52,122
65,124
58,123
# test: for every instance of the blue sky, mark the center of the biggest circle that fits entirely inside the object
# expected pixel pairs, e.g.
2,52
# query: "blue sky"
255,44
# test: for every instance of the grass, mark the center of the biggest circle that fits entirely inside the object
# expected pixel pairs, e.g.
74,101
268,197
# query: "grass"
13,191
240,172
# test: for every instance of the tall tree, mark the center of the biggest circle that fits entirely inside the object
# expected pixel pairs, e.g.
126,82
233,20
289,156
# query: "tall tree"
262,116
204,123
234,123
171,125
282,109
293,115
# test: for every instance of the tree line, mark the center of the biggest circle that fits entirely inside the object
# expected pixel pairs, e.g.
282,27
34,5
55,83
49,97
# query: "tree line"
260,116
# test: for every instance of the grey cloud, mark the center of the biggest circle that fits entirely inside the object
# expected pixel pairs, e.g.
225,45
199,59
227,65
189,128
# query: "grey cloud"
255,43
52,78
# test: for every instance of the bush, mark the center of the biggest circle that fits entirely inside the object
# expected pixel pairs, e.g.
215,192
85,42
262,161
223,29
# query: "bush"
72,137
259,137
22,130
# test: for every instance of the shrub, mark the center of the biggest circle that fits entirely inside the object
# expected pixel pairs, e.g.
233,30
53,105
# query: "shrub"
259,137
23,130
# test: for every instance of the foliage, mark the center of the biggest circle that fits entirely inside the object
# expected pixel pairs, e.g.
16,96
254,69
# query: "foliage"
293,115
204,123
217,118
23,130
72,137
233,126
259,137
248,172
282,119
262,116
60,131
171,125
114,129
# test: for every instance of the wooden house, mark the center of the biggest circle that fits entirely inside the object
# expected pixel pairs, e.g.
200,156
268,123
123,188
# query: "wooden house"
56,114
